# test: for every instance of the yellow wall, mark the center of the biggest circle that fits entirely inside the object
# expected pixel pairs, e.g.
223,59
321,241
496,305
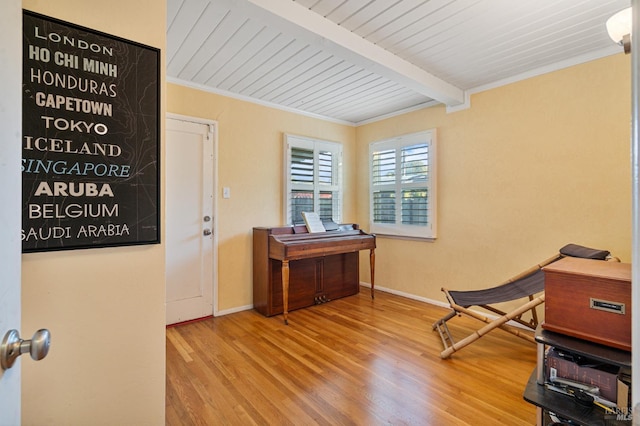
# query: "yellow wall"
530,167
250,163
104,307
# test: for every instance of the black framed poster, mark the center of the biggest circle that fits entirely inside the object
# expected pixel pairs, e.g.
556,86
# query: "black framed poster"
90,138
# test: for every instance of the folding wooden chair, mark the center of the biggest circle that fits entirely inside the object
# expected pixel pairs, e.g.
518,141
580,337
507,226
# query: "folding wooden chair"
524,285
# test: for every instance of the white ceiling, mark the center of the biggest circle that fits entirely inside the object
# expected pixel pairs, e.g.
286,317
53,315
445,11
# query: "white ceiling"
354,61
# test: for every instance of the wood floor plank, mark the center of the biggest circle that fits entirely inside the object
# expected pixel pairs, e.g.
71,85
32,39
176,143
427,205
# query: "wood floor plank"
353,361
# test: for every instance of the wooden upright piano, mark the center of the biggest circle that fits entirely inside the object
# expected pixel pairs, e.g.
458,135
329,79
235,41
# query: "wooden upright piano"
294,269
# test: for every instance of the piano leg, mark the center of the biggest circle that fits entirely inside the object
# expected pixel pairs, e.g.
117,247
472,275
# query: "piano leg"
372,266
285,290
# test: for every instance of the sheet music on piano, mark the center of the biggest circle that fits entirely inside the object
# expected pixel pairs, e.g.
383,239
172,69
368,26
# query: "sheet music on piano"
313,222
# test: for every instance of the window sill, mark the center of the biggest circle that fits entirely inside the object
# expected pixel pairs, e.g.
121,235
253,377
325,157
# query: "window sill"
405,237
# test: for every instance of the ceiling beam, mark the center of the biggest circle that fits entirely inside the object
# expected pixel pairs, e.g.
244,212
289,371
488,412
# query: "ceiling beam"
347,45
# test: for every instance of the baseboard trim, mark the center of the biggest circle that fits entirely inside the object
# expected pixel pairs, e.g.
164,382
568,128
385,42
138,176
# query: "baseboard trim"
233,310
407,295
439,303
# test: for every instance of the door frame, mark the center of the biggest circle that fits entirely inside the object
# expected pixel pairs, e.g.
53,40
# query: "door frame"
214,125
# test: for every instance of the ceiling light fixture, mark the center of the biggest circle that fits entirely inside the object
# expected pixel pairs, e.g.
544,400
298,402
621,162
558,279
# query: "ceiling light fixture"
619,29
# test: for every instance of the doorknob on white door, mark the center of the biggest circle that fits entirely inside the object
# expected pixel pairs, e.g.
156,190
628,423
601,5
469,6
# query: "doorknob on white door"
13,346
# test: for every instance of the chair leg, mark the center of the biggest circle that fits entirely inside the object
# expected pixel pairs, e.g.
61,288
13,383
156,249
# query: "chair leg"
443,329
534,315
444,319
492,324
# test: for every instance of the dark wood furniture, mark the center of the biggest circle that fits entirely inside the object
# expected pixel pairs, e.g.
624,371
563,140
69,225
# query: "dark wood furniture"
294,269
563,405
589,299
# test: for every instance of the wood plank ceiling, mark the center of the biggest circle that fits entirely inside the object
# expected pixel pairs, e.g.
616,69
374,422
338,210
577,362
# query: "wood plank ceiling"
354,61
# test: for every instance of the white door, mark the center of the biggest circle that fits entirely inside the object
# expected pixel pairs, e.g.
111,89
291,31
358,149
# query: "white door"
189,219
10,210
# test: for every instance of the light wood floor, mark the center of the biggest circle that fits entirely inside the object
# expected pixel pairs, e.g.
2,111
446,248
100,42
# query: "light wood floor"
352,361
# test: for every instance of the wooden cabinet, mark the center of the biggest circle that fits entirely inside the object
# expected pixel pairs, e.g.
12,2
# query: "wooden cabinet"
589,299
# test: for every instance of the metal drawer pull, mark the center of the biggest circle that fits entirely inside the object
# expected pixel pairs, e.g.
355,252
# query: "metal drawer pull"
605,305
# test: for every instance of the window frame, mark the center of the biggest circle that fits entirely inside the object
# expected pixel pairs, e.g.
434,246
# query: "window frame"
315,145
398,229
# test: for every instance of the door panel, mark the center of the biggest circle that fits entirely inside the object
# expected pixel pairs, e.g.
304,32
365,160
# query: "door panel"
189,219
10,194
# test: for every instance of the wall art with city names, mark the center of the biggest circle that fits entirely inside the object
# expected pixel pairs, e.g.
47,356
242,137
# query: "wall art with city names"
90,142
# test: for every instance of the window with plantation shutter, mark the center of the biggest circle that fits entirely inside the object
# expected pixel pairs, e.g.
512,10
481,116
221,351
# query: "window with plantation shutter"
312,179
402,186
